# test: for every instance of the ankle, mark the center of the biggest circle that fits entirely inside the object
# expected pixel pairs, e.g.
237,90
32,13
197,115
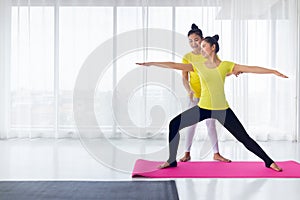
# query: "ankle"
187,154
172,163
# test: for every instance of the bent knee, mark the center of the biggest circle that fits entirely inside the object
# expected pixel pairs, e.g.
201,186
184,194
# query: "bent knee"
174,124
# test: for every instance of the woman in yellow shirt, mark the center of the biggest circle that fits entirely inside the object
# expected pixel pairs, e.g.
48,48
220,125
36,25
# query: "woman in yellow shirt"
213,103
192,85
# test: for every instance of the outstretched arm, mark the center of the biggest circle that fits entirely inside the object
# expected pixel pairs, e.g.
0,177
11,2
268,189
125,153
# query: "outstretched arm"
237,69
172,65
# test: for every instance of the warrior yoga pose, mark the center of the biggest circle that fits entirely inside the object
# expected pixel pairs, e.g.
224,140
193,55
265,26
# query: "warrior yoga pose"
213,104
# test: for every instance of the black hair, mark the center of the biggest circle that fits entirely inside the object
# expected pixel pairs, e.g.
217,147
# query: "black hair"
195,30
213,41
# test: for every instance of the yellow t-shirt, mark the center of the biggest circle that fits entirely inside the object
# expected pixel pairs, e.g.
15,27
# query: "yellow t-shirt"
191,58
212,82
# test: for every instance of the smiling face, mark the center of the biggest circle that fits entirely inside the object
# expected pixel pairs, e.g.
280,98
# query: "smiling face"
207,49
195,41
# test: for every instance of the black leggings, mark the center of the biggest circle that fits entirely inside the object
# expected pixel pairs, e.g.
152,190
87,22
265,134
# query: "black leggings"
226,117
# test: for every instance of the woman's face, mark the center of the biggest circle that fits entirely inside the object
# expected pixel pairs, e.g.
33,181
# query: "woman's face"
206,49
195,41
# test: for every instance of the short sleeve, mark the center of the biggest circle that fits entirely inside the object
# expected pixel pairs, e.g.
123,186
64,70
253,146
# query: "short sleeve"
229,66
185,59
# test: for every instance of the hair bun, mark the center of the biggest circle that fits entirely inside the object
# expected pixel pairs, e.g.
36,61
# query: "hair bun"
216,37
194,27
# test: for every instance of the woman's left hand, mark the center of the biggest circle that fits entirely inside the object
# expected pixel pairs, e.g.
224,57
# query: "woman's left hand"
277,73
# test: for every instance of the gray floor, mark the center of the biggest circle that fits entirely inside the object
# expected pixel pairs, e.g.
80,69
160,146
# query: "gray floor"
67,159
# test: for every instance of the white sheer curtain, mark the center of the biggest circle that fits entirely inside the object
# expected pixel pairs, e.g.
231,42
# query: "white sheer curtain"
5,24
45,42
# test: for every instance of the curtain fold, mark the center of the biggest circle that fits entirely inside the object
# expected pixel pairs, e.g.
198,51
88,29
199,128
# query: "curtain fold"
297,52
46,42
5,47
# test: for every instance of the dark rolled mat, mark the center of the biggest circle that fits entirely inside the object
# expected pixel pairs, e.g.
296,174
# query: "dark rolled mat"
85,190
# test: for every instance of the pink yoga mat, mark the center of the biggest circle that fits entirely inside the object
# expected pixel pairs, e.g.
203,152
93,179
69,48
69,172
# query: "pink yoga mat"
214,169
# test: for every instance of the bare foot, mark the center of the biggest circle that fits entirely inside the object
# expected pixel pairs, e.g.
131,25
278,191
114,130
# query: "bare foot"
218,157
275,167
186,157
166,165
